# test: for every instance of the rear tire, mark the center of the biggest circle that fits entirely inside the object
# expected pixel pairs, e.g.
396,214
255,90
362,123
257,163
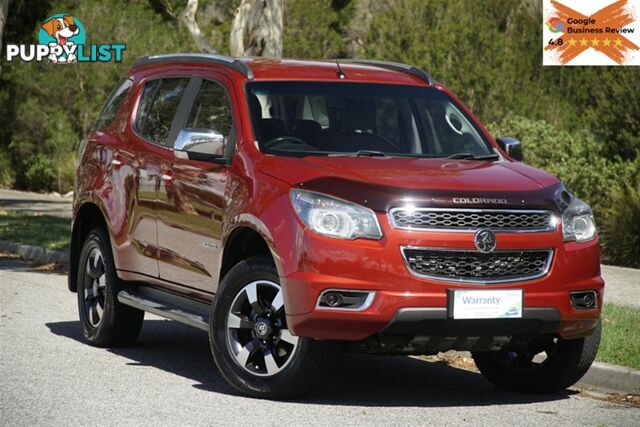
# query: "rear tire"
105,321
250,340
566,362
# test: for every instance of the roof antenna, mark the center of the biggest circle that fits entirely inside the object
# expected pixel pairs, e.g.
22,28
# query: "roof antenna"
340,73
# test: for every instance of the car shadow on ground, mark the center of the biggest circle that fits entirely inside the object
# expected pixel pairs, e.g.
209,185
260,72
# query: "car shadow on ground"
358,380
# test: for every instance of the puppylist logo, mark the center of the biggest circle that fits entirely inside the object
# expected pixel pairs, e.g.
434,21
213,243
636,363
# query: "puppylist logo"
597,32
62,39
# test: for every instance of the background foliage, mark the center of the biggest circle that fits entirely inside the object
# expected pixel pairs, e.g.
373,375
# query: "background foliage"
579,123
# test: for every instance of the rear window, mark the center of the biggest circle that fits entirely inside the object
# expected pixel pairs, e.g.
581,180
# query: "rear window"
158,105
111,107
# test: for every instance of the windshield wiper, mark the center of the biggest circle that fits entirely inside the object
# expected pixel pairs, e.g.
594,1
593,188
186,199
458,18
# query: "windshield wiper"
360,153
469,156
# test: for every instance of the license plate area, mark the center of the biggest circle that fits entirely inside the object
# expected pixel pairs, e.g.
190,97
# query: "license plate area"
485,304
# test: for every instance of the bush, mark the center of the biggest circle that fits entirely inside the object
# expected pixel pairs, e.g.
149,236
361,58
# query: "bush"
576,158
621,225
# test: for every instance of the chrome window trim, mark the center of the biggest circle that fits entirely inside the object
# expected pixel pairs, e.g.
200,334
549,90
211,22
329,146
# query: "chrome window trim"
367,302
543,273
554,227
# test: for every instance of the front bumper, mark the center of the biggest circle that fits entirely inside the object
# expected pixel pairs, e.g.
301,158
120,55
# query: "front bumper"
408,305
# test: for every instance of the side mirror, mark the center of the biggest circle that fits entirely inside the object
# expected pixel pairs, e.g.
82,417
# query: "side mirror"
199,144
512,147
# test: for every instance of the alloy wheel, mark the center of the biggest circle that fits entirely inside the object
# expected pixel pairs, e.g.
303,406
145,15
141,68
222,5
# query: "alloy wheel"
95,287
257,334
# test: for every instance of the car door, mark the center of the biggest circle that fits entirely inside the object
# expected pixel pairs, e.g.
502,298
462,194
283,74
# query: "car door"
157,108
192,195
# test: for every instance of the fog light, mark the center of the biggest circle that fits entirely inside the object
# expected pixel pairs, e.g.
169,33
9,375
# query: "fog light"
585,300
339,299
333,299
589,300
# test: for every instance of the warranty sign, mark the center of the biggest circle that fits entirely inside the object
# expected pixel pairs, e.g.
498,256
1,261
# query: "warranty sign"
594,32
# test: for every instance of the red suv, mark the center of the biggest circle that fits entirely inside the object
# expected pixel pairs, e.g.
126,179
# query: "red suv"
296,209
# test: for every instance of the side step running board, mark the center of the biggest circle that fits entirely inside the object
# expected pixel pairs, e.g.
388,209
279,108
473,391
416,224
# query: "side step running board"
165,304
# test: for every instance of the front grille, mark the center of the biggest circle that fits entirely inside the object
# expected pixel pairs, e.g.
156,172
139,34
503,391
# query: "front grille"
471,219
476,267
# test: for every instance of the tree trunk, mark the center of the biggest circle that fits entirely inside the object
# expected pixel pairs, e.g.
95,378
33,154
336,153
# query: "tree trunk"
238,28
257,29
188,18
4,11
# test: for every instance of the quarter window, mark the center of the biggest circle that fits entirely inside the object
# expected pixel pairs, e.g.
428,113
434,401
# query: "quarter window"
211,109
158,105
111,107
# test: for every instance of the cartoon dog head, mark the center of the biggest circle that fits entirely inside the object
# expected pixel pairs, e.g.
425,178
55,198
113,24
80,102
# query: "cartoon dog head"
61,28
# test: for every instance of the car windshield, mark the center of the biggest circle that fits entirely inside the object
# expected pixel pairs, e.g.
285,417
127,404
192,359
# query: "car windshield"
361,119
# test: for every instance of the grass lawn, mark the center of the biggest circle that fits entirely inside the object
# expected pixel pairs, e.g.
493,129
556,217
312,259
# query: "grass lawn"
47,231
620,343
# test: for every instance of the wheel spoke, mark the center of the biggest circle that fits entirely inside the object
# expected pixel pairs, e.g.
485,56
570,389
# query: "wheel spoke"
95,266
89,294
94,319
91,271
98,263
246,352
102,281
277,302
286,336
252,296
99,310
270,363
238,322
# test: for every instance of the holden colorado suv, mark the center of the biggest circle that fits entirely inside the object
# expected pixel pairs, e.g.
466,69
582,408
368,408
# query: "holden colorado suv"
296,209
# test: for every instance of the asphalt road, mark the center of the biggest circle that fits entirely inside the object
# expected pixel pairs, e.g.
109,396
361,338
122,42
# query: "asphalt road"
48,376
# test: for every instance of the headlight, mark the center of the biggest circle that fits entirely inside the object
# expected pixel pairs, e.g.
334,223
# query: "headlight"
333,217
577,222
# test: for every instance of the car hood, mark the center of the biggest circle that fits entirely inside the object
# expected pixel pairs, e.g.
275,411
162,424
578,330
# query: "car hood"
382,182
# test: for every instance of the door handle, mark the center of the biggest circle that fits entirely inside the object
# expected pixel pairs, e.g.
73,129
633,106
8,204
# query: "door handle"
167,178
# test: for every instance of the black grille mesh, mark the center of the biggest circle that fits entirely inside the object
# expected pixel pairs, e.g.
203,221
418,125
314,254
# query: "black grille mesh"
470,266
508,220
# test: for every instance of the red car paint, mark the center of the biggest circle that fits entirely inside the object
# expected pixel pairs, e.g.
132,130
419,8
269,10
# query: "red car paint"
172,221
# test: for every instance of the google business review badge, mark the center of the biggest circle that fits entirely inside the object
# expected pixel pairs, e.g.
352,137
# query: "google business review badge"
594,32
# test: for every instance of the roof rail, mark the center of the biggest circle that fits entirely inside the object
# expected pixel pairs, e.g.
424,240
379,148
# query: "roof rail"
395,66
209,58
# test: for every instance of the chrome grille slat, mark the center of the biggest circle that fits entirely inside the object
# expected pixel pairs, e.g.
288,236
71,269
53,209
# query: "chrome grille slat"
472,219
475,267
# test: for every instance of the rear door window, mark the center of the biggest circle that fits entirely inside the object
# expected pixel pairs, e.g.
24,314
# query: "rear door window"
158,106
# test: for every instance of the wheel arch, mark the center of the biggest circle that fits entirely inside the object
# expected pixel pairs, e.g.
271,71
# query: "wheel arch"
242,243
88,216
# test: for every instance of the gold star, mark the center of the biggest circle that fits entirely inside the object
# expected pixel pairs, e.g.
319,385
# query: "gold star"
583,42
618,42
572,42
595,42
607,42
